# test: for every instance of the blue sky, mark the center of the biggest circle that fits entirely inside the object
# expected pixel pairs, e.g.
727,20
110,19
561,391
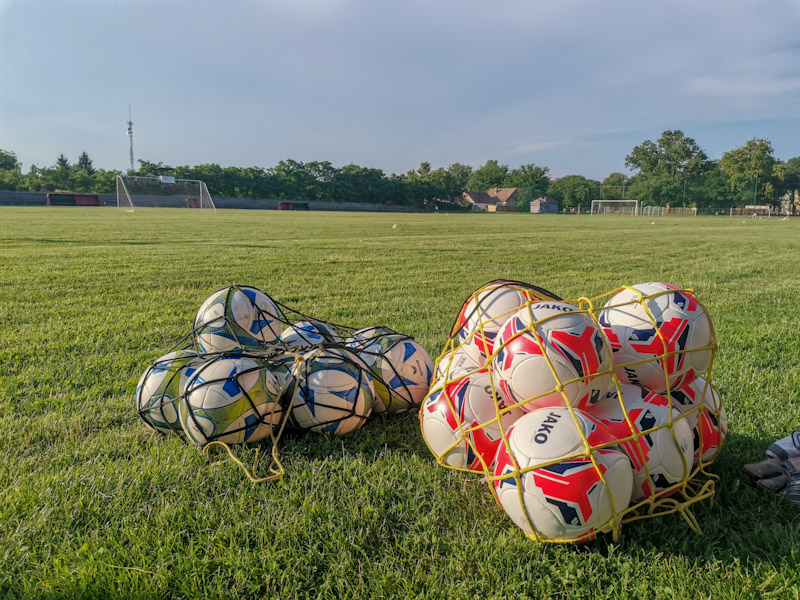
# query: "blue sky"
572,85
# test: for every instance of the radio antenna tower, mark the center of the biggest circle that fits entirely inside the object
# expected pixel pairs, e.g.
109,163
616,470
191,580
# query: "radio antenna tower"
130,134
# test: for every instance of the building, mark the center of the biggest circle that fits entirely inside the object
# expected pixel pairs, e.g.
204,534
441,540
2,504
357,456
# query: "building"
544,205
492,200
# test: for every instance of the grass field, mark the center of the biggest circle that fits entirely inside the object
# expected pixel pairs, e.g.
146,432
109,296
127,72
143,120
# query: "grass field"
92,504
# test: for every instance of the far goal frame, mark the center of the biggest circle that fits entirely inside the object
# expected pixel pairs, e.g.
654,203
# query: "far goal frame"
135,192
605,204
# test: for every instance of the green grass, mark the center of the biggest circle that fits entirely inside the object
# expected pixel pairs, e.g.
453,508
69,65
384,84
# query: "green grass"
92,504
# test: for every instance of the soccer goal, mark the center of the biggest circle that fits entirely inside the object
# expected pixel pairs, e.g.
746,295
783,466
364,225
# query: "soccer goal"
615,207
162,192
652,211
754,211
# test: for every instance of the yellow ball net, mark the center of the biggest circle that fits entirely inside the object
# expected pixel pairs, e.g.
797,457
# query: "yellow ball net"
582,415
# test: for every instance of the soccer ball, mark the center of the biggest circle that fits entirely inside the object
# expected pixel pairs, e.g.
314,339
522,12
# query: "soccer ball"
482,316
305,334
675,342
331,392
231,400
402,372
546,339
236,318
461,421
564,498
709,424
160,387
364,336
456,361
654,451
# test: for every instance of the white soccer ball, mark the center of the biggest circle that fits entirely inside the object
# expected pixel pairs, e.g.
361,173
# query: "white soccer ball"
236,318
461,421
362,337
331,392
160,387
232,400
652,449
402,372
664,326
550,343
566,499
485,312
709,423
307,334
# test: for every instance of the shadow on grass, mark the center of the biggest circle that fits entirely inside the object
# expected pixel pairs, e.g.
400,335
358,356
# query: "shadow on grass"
743,524
398,433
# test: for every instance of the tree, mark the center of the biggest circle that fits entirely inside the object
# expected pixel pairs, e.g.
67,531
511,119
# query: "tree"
532,182
752,169
573,190
62,162
85,163
613,187
461,175
489,175
9,162
713,189
151,169
653,190
673,155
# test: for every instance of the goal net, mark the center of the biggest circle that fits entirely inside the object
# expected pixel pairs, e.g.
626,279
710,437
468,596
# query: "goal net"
652,211
615,207
754,211
162,192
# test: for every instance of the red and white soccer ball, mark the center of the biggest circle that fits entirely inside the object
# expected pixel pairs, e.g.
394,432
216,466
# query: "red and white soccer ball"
668,461
662,325
566,500
555,334
709,424
461,421
454,362
482,316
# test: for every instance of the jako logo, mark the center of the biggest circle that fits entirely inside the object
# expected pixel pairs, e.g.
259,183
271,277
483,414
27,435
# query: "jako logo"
561,307
546,428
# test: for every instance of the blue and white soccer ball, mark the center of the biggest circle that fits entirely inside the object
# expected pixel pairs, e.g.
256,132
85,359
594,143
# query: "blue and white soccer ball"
331,392
160,387
232,400
310,333
363,337
236,318
402,370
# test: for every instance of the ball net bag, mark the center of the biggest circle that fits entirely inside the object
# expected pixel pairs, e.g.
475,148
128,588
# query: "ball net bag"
584,414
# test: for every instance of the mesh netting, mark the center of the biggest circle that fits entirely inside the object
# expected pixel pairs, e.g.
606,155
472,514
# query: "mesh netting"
252,367
582,415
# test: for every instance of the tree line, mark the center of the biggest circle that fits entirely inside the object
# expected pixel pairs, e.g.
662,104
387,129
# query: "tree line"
672,170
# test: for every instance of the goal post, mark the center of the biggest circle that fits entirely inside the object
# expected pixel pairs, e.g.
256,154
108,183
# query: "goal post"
652,211
754,211
615,207
162,192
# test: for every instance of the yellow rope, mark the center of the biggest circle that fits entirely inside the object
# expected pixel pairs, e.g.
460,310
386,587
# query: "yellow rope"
697,485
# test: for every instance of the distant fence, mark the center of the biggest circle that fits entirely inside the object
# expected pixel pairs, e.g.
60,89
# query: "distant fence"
40,199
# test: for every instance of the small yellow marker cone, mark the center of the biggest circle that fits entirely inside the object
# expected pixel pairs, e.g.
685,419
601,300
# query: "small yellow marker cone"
653,223
394,226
